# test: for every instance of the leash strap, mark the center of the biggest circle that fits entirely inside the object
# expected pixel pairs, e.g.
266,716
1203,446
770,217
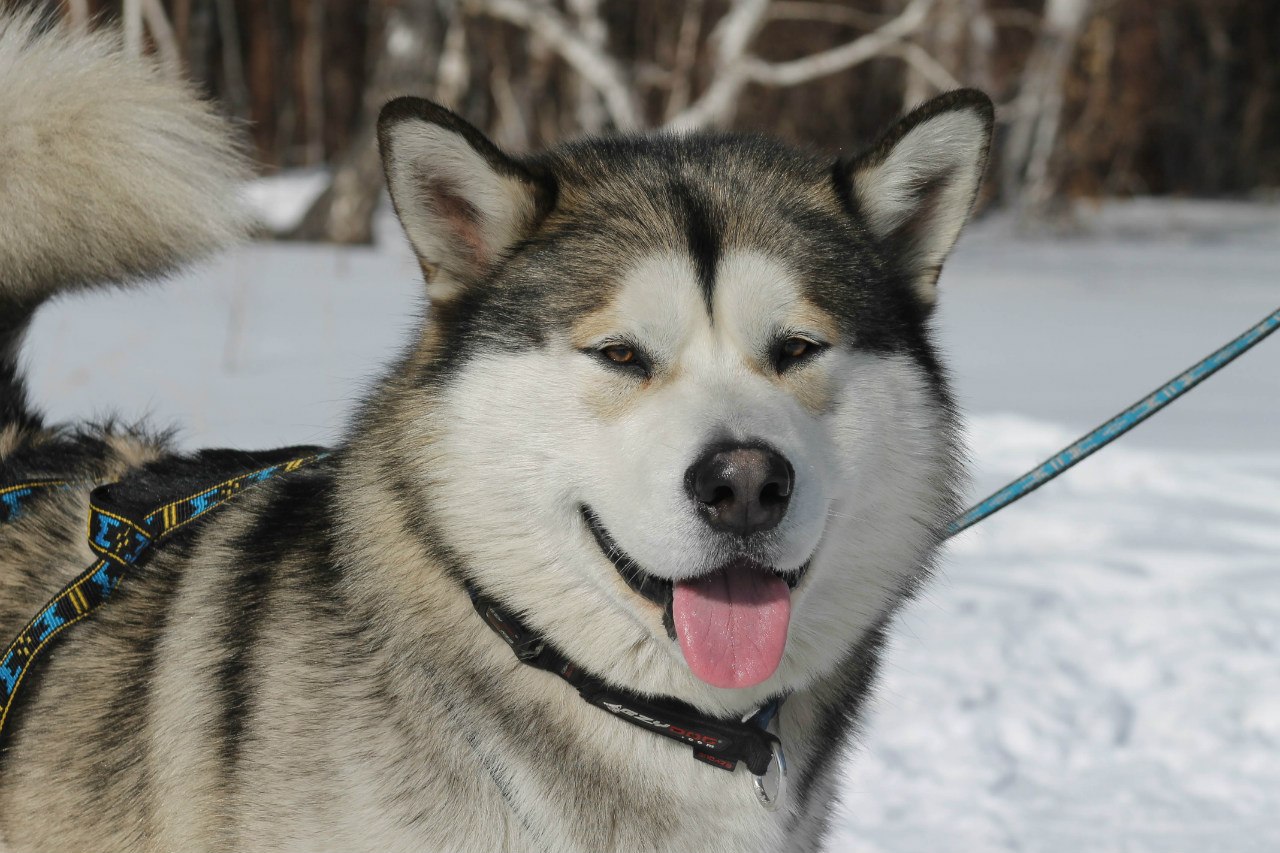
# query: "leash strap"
1117,426
122,527
720,743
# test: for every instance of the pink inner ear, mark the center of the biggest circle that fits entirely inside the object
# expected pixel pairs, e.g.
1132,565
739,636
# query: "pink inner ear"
462,219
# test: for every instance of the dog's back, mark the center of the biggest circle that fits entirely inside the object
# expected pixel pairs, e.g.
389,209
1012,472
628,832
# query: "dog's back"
111,171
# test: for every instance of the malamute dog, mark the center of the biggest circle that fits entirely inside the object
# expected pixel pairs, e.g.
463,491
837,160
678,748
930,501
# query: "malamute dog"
672,430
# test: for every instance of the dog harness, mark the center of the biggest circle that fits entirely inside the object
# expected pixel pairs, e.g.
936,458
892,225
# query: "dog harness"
123,526
125,523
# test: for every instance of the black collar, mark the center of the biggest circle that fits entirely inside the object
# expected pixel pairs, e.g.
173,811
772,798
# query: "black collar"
720,743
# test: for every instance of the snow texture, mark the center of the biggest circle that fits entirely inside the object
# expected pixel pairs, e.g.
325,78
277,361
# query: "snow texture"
1096,668
281,201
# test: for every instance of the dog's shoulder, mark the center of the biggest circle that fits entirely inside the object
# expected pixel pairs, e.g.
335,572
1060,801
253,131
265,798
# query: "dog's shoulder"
232,530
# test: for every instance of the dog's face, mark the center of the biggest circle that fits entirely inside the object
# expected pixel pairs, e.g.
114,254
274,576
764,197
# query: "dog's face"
678,405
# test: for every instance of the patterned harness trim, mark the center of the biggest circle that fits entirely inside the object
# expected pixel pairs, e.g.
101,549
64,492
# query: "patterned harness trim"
13,499
119,541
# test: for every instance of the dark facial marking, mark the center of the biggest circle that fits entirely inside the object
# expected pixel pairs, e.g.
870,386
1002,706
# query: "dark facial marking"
703,233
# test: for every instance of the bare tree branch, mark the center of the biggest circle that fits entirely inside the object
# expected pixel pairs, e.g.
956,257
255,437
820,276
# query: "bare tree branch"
846,56
651,75
923,62
511,132
131,12
731,38
78,13
1034,134
686,58
404,46
982,37
453,70
937,53
595,66
162,34
590,112
735,67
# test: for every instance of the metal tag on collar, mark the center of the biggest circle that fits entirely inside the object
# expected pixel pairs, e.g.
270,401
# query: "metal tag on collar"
529,649
771,787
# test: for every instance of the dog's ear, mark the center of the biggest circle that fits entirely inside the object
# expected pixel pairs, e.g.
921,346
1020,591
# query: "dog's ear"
463,203
914,188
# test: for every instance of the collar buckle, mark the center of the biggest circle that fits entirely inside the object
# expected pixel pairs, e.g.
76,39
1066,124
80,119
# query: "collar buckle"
528,648
771,787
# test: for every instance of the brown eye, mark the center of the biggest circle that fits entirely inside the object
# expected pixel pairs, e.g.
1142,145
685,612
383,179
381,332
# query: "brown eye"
791,351
625,357
796,347
619,354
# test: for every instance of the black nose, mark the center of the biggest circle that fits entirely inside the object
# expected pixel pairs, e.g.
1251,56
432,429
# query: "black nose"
741,489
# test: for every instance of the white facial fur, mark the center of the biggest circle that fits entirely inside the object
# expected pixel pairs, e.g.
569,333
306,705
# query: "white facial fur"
530,436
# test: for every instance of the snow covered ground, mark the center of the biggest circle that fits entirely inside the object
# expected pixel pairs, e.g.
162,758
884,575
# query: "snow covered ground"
1097,668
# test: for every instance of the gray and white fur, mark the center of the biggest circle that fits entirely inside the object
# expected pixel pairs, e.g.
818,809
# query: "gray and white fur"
304,671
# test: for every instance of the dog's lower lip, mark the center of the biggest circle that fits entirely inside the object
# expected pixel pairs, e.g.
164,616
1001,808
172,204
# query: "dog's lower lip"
655,589
651,587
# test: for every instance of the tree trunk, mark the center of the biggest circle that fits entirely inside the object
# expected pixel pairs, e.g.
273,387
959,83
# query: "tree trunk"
1026,178
405,44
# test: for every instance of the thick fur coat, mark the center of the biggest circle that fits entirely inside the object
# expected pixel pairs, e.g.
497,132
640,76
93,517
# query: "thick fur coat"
304,670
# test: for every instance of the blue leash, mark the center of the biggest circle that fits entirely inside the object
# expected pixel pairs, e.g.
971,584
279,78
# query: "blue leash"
1116,427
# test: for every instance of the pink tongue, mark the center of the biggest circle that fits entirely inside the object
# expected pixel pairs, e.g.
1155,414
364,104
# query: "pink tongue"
732,625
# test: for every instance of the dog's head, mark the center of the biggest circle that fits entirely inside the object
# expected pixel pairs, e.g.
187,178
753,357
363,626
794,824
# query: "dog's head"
678,405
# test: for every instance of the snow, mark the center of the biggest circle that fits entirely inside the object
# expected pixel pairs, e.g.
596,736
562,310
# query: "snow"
1095,668
280,201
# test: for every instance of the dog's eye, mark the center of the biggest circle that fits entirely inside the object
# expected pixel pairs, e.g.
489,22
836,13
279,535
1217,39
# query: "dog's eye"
623,356
791,351
796,347
620,354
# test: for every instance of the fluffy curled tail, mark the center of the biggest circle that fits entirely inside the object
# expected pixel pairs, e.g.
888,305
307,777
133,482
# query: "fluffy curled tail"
111,171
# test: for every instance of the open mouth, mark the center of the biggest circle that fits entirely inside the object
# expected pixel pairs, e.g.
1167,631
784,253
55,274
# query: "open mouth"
656,589
731,623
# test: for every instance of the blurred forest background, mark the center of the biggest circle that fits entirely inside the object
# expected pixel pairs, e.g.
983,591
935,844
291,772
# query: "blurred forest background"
1095,97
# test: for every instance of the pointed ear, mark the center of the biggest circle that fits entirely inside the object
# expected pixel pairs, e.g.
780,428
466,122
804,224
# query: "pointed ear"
463,203
915,187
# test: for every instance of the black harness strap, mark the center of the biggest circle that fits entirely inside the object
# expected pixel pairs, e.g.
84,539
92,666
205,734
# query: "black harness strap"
123,524
720,743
